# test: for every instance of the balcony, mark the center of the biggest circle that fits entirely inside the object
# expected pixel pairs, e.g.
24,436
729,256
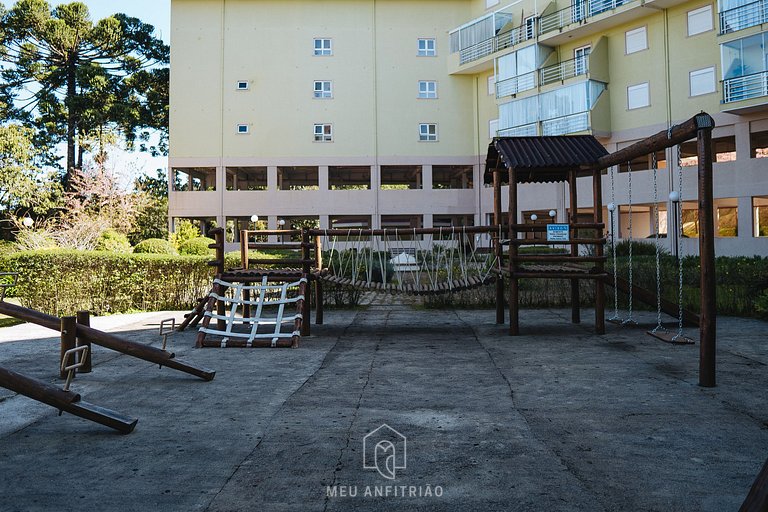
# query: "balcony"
744,16
564,70
577,12
745,87
516,84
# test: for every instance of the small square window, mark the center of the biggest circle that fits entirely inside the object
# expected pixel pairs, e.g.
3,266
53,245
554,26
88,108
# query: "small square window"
428,132
702,81
426,48
243,85
323,133
700,20
323,47
636,40
638,96
323,89
427,89
243,128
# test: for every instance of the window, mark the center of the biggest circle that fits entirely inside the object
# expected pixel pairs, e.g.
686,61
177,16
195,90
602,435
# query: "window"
493,128
723,149
323,47
700,20
427,132
636,40
427,89
323,89
194,179
243,129
243,85
638,96
727,221
690,220
400,177
323,133
758,145
580,61
760,216
349,177
492,85
427,48
246,178
702,81
530,27
451,177
298,178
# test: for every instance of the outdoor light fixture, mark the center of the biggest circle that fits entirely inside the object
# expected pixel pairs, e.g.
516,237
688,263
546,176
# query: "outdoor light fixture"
281,223
611,207
674,196
552,213
534,217
254,218
27,221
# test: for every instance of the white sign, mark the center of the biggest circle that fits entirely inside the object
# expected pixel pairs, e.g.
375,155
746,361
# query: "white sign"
557,233
384,449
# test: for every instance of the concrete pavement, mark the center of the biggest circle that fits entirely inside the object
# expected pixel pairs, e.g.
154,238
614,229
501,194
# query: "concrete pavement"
557,419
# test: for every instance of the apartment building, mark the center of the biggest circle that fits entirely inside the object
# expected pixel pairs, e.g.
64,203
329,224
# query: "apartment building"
378,113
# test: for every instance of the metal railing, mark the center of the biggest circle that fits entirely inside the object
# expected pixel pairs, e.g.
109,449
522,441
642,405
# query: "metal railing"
564,70
500,42
567,124
745,87
525,130
744,16
516,84
577,12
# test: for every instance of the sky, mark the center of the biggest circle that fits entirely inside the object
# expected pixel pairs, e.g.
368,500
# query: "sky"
156,13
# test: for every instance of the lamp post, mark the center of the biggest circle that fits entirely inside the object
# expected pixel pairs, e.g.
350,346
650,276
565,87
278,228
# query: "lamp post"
27,221
674,197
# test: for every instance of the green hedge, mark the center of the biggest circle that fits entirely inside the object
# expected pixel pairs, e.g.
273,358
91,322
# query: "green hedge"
63,282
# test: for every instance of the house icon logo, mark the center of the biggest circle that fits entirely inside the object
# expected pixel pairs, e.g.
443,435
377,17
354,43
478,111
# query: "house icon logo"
384,449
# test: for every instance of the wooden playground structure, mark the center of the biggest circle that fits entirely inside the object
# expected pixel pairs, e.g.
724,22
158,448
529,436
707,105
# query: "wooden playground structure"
445,260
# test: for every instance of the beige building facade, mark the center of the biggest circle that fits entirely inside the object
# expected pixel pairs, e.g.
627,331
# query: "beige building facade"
379,113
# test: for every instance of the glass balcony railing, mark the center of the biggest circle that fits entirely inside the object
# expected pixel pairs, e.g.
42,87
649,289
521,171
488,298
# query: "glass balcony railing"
745,87
744,16
492,45
572,123
577,12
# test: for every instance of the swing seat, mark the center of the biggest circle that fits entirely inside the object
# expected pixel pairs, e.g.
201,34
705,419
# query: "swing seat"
671,337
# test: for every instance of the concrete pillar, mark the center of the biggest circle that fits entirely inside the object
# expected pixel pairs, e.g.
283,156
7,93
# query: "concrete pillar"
745,221
741,130
322,177
272,185
426,177
325,222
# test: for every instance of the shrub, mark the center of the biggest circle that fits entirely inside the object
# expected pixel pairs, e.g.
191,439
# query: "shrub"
185,230
113,241
63,282
638,248
154,246
196,247
7,247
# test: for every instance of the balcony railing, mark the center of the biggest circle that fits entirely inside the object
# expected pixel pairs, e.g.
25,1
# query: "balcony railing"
516,84
564,70
744,16
566,124
576,12
505,40
477,51
745,87
526,130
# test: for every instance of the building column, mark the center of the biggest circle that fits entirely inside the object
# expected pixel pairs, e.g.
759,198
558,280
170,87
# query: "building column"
426,177
272,178
744,217
325,222
322,177
741,131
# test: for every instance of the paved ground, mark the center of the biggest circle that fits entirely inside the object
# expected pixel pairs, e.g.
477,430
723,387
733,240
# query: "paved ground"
557,419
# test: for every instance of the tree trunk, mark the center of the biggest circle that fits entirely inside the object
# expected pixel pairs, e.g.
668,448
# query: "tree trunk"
71,120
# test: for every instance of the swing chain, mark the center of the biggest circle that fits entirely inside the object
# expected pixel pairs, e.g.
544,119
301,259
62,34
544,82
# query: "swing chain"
629,319
655,167
679,213
615,316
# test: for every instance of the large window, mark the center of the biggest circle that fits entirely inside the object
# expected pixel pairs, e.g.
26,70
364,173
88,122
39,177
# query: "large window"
760,216
744,56
758,144
349,177
700,20
638,96
427,89
426,48
727,219
194,179
451,176
724,149
400,177
702,81
636,40
323,47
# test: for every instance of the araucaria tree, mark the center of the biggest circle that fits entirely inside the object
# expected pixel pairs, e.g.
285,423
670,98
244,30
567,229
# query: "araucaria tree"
72,79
